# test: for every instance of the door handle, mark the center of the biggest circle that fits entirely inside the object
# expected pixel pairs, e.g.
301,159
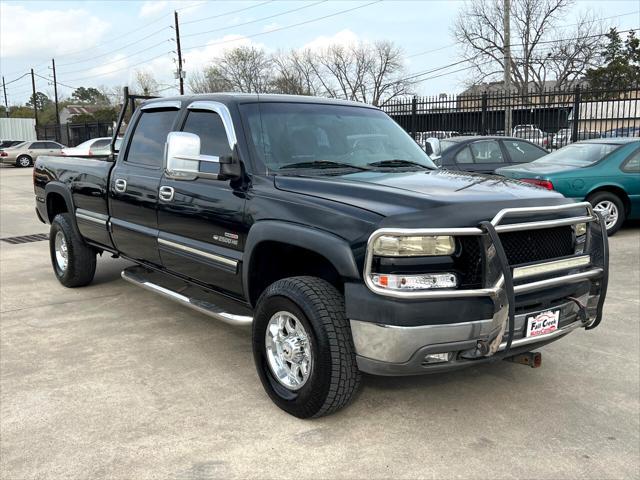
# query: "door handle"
120,185
166,193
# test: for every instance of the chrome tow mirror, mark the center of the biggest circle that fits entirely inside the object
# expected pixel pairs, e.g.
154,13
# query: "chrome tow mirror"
185,162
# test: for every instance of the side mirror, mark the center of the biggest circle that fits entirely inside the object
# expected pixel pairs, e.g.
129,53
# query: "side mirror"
433,144
185,162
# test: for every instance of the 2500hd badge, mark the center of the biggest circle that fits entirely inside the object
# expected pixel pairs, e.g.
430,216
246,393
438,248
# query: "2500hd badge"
351,251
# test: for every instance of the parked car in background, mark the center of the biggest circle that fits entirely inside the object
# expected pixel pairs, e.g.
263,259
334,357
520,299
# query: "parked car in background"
105,151
25,154
9,143
482,154
533,134
564,136
606,172
623,132
87,149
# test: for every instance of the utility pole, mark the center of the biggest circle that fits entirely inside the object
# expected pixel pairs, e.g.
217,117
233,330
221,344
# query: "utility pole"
6,104
180,72
507,65
55,93
33,98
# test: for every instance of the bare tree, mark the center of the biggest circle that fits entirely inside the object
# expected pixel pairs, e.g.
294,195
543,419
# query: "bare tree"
541,49
146,83
295,73
210,80
247,69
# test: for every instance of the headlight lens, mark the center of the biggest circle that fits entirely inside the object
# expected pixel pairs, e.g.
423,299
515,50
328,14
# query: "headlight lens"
399,246
580,229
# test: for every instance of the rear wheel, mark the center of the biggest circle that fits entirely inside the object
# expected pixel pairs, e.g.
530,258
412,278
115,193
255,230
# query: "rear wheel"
303,348
610,206
24,161
73,261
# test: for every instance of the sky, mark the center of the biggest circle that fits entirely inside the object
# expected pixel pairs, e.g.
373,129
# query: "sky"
104,43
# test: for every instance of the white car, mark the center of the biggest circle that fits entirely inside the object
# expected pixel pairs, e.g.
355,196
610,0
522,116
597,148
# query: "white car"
88,148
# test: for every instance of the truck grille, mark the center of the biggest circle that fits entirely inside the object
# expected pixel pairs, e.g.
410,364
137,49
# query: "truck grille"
537,245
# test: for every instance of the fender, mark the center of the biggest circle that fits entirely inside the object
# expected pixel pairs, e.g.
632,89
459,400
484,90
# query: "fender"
61,189
330,246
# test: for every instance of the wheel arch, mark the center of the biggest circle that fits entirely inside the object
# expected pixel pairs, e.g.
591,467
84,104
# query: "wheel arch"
58,200
616,190
276,249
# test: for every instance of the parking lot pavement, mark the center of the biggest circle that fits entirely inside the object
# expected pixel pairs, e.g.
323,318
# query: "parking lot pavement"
111,381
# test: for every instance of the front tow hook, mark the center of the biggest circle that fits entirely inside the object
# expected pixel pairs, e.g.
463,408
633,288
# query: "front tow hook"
533,359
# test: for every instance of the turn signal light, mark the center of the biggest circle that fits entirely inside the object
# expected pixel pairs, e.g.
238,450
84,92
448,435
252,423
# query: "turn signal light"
426,281
538,183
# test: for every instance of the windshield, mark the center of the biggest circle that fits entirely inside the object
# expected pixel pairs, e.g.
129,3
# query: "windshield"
286,136
579,154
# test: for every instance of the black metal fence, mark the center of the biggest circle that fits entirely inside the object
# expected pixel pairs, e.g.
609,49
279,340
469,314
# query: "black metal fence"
72,134
550,118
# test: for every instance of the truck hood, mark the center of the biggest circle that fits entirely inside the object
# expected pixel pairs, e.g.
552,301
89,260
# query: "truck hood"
448,198
534,170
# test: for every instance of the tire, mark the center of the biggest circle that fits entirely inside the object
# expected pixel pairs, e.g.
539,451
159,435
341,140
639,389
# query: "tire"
604,202
79,266
333,376
24,161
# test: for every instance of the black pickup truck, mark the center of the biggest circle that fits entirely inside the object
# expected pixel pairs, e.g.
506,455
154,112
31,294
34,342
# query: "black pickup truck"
326,228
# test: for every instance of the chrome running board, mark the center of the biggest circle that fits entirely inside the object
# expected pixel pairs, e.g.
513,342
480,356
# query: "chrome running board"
152,281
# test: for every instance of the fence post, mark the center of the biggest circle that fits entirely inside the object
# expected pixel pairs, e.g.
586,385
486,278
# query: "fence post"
576,114
414,119
483,114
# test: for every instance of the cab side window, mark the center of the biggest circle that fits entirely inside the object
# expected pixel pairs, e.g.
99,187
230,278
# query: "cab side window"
150,134
213,137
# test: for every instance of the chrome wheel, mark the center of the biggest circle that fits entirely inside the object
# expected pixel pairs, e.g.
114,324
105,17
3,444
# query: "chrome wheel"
609,212
24,161
61,251
288,350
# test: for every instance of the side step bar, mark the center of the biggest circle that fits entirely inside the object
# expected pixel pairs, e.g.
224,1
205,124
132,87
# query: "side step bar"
151,281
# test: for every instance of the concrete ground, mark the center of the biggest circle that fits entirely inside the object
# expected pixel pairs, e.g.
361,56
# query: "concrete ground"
111,381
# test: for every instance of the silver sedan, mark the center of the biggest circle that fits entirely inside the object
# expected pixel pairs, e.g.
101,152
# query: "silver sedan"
25,154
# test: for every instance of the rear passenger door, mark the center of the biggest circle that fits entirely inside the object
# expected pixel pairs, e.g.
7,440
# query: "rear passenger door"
135,180
201,224
39,148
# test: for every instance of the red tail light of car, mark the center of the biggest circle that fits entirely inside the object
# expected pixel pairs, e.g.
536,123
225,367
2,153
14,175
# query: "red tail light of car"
3,154
539,183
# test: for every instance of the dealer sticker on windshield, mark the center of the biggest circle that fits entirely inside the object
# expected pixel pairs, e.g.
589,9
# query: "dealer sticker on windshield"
543,323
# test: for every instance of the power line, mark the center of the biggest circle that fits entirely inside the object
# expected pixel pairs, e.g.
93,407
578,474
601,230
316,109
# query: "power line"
286,26
256,20
117,70
226,13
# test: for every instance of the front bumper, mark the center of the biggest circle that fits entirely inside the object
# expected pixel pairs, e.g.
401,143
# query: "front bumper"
484,324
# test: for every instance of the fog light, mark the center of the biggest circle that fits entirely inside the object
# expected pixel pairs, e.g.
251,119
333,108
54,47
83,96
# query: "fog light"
437,357
427,281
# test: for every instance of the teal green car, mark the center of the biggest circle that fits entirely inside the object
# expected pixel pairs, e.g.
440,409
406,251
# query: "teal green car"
604,171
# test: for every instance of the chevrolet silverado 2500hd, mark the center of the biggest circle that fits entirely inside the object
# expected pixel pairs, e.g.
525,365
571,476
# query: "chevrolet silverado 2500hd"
324,226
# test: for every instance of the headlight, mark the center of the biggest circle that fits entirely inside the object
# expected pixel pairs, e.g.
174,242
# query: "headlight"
580,229
399,246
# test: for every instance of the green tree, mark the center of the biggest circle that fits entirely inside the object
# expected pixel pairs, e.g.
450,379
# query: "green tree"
621,68
41,101
21,112
89,95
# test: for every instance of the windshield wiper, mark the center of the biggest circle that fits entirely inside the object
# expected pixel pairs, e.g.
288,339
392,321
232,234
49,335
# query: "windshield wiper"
322,164
397,162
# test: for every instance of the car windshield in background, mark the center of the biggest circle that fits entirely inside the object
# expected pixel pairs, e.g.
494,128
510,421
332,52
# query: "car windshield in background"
579,154
316,136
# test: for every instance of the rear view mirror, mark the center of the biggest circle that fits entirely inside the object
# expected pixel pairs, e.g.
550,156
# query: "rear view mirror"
433,144
185,162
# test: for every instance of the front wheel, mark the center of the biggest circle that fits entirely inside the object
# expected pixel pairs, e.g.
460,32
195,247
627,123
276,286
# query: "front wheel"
611,208
73,261
302,347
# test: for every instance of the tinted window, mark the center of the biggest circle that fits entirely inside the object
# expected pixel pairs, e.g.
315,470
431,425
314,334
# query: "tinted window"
522,152
53,145
208,126
149,137
38,145
632,165
464,156
487,151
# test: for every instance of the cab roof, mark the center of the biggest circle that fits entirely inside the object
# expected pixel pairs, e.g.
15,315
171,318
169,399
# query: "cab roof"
238,98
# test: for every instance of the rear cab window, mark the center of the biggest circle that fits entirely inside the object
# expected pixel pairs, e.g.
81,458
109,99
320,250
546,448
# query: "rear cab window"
146,147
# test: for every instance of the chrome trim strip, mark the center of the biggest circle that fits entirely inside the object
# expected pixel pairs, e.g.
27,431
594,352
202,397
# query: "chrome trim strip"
200,306
514,227
216,258
172,104
91,216
553,209
222,110
550,267
552,282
